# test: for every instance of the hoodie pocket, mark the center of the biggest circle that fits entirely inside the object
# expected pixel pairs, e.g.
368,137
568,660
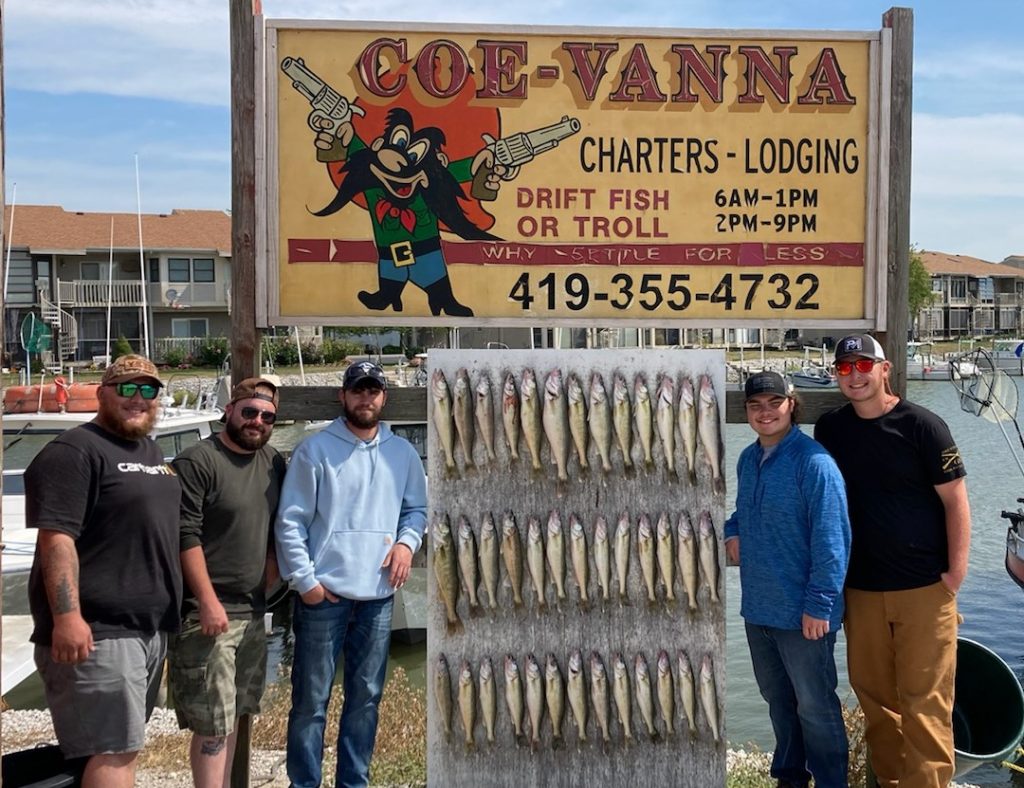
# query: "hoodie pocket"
349,563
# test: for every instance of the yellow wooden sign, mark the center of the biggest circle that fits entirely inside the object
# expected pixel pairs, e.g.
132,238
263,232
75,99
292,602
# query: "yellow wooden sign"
455,175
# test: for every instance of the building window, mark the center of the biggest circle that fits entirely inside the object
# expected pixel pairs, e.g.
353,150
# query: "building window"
178,269
957,288
182,327
89,271
154,269
202,269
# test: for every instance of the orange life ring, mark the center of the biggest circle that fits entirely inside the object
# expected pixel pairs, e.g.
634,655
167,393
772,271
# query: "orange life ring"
75,398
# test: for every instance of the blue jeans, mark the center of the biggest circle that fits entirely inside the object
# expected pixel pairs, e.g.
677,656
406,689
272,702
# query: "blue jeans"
798,679
362,632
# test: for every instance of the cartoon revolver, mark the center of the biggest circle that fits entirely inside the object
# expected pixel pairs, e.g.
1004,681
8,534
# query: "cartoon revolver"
330,108
519,149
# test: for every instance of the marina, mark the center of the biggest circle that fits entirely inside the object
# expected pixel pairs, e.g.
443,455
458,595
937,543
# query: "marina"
988,600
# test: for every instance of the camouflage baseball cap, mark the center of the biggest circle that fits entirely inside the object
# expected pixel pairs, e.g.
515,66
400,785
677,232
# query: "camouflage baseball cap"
130,367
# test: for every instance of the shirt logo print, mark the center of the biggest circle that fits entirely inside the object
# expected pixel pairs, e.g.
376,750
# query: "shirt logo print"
951,459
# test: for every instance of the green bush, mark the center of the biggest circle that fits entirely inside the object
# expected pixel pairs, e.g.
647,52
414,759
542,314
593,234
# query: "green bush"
175,357
121,348
312,353
335,350
211,353
389,349
284,352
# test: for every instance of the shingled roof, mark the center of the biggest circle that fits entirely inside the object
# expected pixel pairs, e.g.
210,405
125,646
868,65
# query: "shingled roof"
51,229
941,263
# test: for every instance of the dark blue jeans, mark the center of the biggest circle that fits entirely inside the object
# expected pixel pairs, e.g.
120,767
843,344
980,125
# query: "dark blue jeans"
362,632
798,679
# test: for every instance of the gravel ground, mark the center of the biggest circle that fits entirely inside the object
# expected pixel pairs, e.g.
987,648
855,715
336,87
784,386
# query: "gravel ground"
22,729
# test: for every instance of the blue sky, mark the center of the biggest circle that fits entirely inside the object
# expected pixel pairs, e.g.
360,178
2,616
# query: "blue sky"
89,84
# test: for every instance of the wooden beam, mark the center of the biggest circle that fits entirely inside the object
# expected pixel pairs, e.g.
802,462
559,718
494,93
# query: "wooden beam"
3,245
314,403
244,342
894,339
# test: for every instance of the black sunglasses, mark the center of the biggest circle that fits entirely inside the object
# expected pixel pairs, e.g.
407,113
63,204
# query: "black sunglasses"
127,390
250,413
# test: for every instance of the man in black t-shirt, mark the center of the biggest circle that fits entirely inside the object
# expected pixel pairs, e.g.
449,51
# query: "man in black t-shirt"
911,526
217,664
105,587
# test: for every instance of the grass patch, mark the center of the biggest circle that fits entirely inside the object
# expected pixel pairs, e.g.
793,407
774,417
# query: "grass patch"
400,756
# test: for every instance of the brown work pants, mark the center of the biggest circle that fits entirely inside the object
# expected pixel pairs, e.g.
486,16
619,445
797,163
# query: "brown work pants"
901,656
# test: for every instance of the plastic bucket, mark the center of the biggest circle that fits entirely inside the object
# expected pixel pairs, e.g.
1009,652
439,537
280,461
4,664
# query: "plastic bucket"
988,708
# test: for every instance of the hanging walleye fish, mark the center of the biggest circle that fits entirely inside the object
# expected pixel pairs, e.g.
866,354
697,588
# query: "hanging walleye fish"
484,410
443,418
600,421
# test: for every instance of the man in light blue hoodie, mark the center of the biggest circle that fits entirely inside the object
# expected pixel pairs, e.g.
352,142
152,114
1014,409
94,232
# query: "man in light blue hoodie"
352,513
790,535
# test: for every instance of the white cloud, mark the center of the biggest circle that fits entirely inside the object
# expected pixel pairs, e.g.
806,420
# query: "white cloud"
968,156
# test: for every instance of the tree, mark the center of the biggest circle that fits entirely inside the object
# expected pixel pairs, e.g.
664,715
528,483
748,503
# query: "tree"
122,347
919,293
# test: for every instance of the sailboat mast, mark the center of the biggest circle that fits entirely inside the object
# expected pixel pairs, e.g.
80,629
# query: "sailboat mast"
10,238
110,285
142,263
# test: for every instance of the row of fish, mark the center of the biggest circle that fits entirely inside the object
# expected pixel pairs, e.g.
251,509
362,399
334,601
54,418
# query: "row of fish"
463,562
570,418
540,691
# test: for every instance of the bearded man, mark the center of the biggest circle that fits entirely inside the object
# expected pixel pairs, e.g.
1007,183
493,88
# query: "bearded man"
105,587
352,514
217,664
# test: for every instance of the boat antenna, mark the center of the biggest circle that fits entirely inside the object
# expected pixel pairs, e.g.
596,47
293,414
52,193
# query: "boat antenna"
987,391
10,238
142,262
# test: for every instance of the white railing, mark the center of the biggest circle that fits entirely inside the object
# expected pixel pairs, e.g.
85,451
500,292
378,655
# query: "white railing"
128,292
64,322
89,292
187,345
188,294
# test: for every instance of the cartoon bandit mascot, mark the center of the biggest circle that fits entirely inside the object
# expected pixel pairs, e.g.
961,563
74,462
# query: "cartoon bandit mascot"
409,185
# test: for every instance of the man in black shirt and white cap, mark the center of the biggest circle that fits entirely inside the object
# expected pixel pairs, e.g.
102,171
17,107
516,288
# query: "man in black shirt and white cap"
911,526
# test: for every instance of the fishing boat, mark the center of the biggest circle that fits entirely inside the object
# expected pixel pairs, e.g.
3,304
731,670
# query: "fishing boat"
35,420
923,364
1008,355
812,376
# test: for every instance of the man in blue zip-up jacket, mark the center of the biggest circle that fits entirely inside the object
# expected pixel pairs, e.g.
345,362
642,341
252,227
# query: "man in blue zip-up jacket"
352,512
792,523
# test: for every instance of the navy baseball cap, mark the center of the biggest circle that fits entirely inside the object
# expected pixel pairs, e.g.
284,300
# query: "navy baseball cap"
766,383
362,372
862,345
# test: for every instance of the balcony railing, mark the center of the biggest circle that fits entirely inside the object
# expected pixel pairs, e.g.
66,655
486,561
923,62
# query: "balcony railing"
189,294
89,292
127,292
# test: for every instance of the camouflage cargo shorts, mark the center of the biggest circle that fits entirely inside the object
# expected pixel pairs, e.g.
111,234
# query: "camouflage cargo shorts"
214,680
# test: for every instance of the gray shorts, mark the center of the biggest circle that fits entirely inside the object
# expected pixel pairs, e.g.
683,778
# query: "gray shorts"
101,706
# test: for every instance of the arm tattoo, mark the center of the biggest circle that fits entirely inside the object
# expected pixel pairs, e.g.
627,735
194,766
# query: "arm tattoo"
63,598
213,746
60,576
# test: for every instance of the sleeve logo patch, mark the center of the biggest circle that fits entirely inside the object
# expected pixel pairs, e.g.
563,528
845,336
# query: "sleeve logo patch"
951,459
